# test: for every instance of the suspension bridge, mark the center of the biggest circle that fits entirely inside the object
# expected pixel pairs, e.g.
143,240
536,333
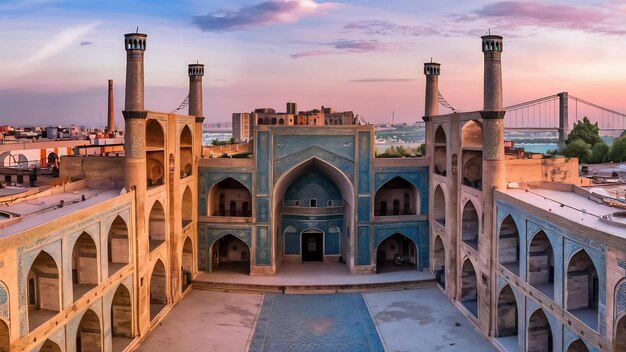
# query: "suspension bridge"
558,112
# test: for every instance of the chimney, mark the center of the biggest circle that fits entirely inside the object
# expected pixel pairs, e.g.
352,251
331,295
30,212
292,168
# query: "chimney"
110,113
196,72
431,103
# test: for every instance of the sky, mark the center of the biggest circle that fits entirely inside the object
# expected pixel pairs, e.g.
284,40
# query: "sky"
361,55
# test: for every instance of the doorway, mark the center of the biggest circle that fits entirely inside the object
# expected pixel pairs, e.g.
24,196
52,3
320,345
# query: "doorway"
312,246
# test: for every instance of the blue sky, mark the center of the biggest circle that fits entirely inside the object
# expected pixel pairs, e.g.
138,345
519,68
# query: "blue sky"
366,56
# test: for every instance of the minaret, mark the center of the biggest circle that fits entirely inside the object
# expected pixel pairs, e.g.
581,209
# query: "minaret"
134,113
431,104
494,176
196,72
110,113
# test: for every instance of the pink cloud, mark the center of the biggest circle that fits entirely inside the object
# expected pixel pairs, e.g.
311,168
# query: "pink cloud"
344,46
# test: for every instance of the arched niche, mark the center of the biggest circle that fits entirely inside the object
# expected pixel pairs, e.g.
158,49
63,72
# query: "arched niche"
541,264
89,334
508,245
470,225
539,333
5,338
440,157
230,254
578,346
230,197
582,289
469,287
187,263
472,134
187,207
158,289
439,206
156,226
186,152
439,262
396,253
121,318
507,318
118,246
50,346
155,154
84,265
396,197
620,334
43,290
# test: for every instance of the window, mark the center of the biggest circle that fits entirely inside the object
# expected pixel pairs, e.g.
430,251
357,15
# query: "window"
330,203
313,203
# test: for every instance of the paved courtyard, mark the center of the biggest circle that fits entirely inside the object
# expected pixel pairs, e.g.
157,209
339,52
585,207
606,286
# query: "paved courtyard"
409,320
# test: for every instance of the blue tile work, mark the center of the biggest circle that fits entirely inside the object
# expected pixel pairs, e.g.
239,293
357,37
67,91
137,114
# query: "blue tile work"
564,244
262,155
363,209
312,185
365,156
324,223
315,323
620,300
286,145
262,210
417,231
263,246
207,235
417,176
363,245
4,302
281,166
211,176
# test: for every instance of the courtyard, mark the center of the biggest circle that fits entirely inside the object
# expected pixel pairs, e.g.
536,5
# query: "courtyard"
408,320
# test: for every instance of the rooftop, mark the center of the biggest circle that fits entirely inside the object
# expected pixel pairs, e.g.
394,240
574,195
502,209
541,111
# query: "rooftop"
45,206
584,206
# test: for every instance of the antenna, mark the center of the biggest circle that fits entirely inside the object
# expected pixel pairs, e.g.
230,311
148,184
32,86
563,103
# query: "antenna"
137,29
489,31
431,59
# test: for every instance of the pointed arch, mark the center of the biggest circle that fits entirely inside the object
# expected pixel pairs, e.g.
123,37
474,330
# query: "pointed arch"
582,289
187,263
50,346
223,193
401,194
156,225
395,253
121,318
230,253
539,335
439,261
439,206
89,333
158,289
43,290
541,264
509,245
469,287
470,225
155,153
187,207
578,346
5,337
84,265
440,157
118,245
507,314
186,152
620,334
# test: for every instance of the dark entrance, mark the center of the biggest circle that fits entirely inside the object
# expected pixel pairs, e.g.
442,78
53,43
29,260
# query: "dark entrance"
312,246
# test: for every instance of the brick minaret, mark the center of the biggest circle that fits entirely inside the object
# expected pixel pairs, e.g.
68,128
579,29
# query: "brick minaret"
493,173
135,163
431,104
110,112
196,72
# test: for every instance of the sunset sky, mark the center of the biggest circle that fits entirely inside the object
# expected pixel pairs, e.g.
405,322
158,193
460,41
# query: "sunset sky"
365,55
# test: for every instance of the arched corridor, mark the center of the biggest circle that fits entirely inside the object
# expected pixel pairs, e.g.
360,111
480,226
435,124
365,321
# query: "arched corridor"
441,152
396,253
187,207
49,346
155,153
439,206
84,265
156,226
470,225
396,197
469,287
121,318
583,289
187,263
44,299
539,333
508,245
5,341
439,262
507,318
186,152
158,289
229,253
118,249
541,264
89,334
578,346
230,197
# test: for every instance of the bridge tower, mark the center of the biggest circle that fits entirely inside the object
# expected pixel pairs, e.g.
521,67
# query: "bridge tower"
493,173
563,118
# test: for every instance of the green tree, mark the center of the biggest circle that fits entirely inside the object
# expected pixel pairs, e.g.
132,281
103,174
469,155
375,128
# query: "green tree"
598,153
577,149
586,131
618,150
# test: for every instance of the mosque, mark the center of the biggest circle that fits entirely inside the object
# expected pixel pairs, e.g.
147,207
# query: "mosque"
531,254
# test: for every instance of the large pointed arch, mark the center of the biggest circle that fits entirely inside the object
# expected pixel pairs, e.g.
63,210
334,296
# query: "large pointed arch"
396,252
440,157
84,265
509,245
541,264
470,225
439,205
158,289
539,335
582,289
397,196
43,290
187,207
121,318
118,245
507,314
227,192
186,152
469,287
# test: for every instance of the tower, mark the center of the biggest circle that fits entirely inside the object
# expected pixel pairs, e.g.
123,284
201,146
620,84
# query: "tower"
196,72
110,113
431,70
493,173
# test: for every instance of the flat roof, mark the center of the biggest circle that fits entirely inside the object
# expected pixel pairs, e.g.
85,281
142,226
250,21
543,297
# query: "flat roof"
576,207
40,210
